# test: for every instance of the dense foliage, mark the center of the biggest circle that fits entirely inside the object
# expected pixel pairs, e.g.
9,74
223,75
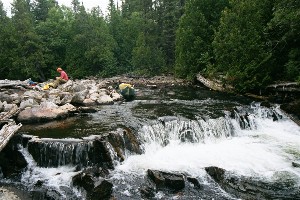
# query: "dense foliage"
251,43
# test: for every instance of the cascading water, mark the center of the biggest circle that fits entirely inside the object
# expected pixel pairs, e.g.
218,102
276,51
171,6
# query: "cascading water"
258,142
183,133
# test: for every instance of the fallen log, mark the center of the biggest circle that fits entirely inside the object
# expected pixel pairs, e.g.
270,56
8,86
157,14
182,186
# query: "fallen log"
214,84
9,128
7,131
284,87
9,114
14,84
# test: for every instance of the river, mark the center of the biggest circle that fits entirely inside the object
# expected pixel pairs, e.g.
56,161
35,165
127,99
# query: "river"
181,130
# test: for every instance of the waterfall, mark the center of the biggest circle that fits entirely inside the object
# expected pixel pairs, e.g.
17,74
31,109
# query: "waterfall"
243,136
165,129
75,152
193,131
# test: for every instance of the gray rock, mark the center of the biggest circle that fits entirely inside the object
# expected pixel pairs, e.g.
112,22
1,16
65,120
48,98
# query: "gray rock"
8,107
105,100
89,102
16,98
47,111
33,94
28,103
79,97
1,106
78,88
5,97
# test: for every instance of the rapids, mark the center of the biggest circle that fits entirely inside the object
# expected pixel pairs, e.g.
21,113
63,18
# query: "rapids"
181,130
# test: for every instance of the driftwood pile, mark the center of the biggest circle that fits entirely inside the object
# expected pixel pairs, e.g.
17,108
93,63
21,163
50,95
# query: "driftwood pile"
8,127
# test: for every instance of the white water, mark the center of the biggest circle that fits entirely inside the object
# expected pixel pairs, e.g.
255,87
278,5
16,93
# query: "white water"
266,148
53,178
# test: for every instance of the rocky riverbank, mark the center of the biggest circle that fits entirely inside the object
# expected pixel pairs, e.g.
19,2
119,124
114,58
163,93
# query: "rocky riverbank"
94,156
37,105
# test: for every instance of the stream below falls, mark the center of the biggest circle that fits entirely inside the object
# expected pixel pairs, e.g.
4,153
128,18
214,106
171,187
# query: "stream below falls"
179,130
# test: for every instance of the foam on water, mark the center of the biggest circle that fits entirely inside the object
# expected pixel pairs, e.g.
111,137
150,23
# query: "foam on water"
54,178
259,152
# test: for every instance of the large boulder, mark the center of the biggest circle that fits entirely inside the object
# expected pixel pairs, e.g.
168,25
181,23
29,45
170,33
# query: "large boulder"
84,180
66,98
47,111
105,100
116,96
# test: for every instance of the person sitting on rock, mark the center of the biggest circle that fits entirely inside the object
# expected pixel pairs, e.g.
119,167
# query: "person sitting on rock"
63,78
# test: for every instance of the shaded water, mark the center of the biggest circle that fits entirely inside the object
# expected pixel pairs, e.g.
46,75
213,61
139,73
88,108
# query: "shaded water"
183,130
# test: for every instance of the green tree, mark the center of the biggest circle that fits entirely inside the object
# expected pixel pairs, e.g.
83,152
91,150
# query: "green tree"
195,35
55,35
117,28
100,54
29,58
95,55
284,38
6,44
240,44
41,9
147,61
169,11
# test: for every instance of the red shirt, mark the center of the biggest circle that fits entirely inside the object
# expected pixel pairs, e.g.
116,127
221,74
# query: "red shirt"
64,75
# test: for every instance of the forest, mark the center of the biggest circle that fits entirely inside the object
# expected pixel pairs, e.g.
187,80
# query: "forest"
249,44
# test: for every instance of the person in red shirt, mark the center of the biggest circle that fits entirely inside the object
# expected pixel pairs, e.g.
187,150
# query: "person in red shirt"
63,78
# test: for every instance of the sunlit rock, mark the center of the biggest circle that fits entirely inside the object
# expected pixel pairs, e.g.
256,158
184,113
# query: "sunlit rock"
89,102
45,112
105,100
34,94
29,103
116,96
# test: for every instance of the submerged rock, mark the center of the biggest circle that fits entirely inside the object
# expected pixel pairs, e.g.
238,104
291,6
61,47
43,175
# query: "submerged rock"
84,180
296,164
166,180
282,187
102,191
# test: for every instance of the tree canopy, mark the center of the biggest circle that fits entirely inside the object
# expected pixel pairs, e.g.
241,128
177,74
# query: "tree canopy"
251,43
